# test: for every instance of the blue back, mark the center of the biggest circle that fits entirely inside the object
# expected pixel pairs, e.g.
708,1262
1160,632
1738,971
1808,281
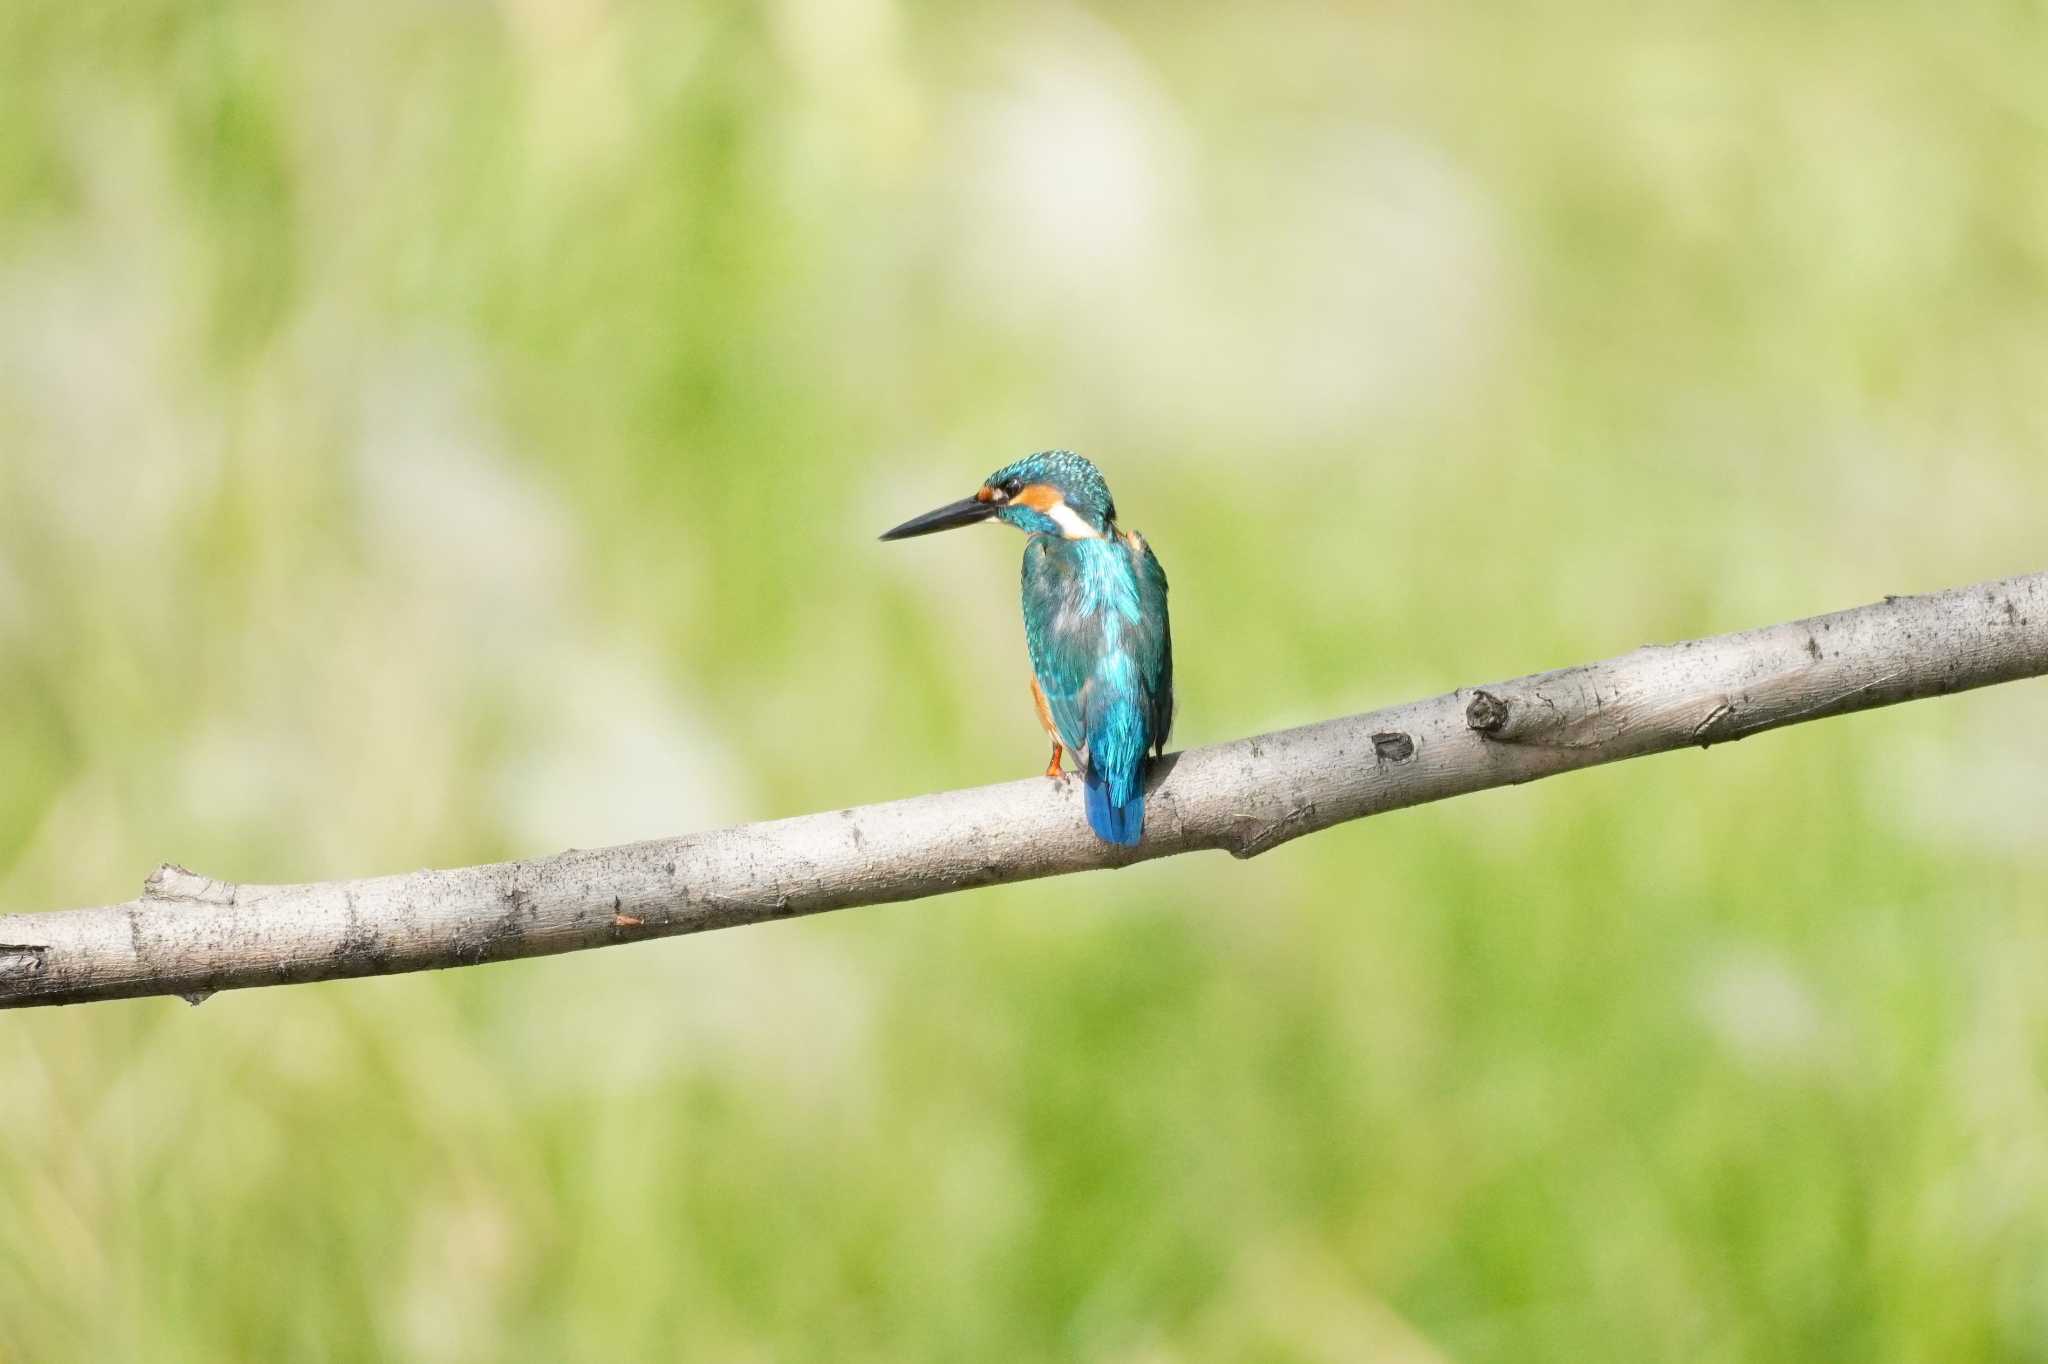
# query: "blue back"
1096,624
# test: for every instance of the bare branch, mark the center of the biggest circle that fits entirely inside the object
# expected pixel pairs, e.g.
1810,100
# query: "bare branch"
190,935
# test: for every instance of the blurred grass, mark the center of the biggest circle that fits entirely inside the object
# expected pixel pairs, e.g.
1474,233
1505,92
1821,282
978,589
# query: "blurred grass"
435,434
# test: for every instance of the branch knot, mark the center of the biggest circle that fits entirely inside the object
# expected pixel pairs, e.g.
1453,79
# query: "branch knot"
173,882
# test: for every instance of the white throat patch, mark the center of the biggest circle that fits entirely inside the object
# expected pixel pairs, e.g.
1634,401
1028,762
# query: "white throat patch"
1070,523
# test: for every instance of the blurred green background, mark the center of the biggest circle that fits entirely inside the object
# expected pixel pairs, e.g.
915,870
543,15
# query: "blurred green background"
438,433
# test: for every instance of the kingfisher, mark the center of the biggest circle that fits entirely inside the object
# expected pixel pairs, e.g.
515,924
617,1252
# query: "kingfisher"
1094,623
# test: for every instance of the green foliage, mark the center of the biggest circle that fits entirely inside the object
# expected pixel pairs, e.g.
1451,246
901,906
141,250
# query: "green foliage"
436,433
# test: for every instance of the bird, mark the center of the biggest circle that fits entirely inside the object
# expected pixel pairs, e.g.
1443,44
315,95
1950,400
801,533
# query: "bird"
1095,626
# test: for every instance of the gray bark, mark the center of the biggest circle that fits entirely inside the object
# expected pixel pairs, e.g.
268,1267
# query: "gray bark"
191,935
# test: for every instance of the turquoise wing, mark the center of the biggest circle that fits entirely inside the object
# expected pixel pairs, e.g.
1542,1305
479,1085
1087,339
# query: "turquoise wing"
1063,640
1152,641
1102,652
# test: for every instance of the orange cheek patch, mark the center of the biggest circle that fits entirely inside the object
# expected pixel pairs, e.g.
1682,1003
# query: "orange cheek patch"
1038,497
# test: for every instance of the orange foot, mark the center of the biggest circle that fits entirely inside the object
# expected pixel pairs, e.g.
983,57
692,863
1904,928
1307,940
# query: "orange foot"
1052,769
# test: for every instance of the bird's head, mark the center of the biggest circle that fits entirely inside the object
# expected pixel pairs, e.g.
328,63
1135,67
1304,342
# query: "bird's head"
1054,492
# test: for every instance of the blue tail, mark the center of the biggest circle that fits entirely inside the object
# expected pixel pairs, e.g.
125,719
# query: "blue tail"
1122,824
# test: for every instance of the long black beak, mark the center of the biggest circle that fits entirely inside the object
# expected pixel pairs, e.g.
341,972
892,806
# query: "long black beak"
965,512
